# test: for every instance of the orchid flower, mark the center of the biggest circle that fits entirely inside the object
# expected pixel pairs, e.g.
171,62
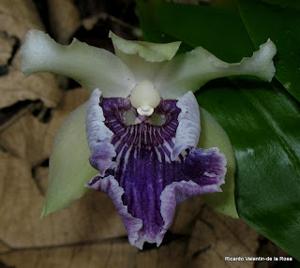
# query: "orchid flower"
140,127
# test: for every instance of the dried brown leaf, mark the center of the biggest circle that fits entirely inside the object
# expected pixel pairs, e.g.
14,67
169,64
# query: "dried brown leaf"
186,214
216,236
16,18
20,207
29,138
64,19
40,176
25,139
6,48
90,256
117,253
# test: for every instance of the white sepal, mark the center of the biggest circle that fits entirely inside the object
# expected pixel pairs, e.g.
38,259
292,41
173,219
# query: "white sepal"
190,71
92,67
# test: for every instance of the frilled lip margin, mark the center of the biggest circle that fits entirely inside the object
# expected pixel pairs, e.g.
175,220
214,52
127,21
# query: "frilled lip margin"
148,169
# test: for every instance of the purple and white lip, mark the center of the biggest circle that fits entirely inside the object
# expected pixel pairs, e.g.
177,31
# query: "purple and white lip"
148,166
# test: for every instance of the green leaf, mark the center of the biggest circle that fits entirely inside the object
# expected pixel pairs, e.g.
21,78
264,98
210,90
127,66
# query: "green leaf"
260,119
284,3
279,21
260,122
197,22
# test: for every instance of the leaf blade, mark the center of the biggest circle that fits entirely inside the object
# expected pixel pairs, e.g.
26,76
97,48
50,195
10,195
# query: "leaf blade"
251,114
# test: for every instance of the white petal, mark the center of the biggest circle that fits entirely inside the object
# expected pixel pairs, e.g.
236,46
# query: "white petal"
213,135
144,59
152,52
192,70
69,163
92,67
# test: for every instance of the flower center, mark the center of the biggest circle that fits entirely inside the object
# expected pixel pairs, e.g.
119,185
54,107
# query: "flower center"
144,98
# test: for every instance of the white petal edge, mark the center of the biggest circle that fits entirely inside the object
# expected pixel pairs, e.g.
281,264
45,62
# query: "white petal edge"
133,225
188,130
96,129
190,71
92,67
99,136
69,169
